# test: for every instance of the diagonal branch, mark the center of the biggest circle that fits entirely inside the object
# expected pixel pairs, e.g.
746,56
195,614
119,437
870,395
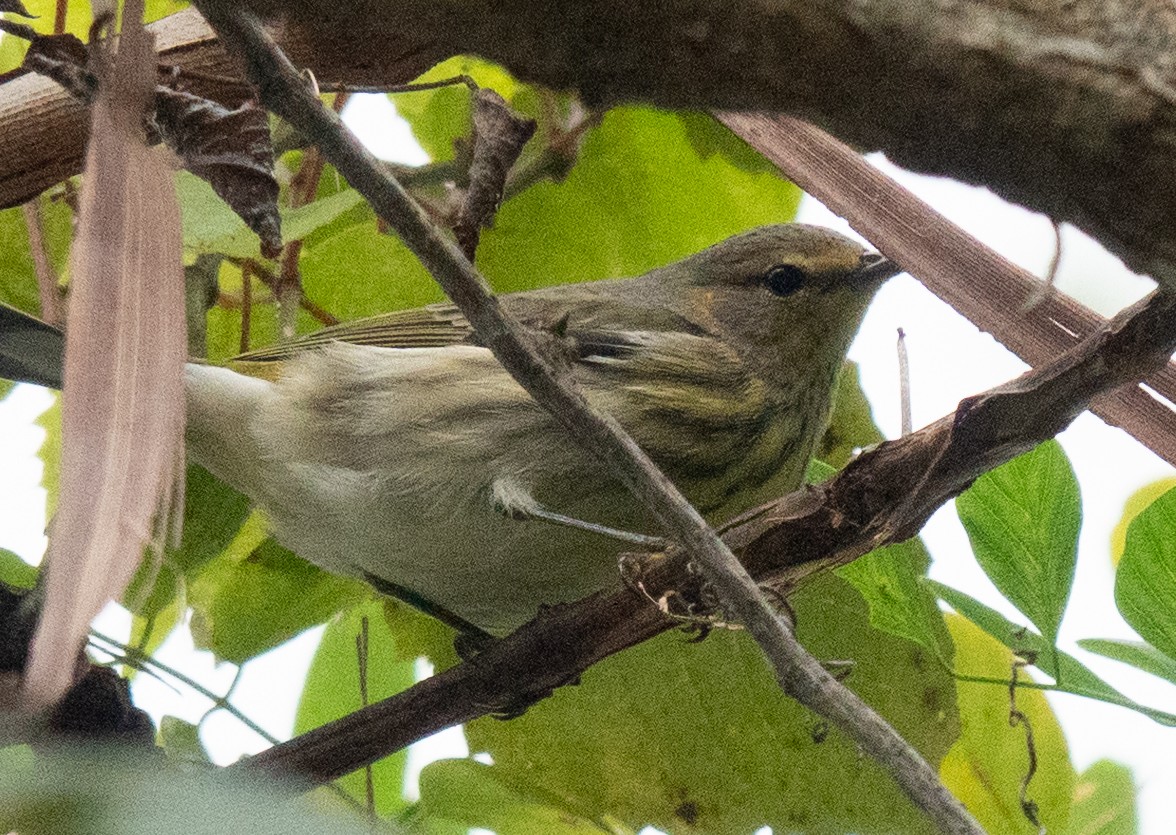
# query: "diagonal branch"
799,674
869,504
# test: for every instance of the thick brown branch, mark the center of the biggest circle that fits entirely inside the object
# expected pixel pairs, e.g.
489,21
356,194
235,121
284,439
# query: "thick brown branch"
43,129
1067,108
884,496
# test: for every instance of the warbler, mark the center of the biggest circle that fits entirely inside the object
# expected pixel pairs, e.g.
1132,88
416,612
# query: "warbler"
398,450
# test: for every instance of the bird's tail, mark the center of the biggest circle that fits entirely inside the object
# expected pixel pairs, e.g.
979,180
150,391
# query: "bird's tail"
31,351
221,403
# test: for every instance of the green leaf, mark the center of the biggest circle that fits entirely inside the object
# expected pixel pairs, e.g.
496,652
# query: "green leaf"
888,579
1070,674
1136,653
1135,504
16,759
213,515
18,277
672,732
472,794
851,426
209,225
985,767
1145,584
15,572
708,136
1104,801
359,272
332,690
110,792
1023,520
223,324
416,635
180,740
439,116
819,471
243,607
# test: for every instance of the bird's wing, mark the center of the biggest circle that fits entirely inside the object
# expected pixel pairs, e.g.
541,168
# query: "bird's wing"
570,309
672,369
433,326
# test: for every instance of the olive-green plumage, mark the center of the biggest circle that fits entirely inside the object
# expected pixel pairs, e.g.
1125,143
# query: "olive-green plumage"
389,448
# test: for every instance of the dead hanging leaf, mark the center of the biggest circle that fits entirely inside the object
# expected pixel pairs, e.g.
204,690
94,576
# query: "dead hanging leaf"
15,7
499,137
232,150
122,409
63,58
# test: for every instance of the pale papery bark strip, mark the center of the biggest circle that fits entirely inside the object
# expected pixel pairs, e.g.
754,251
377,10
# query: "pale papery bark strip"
122,408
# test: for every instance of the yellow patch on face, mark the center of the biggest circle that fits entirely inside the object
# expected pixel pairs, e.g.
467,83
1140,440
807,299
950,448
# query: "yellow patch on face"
831,260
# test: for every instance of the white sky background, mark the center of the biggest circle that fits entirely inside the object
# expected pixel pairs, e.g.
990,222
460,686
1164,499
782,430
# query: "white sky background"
949,360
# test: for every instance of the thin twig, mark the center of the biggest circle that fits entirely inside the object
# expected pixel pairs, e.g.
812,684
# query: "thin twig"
904,384
47,279
361,658
799,674
1048,285
303,187
420,86
246,306
59,16
218,702
270,280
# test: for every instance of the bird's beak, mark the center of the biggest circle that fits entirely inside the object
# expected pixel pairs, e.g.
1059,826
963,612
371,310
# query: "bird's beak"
874,268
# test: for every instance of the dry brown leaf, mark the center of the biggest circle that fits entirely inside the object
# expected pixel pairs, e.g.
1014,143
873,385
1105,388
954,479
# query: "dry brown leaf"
499,137
232,150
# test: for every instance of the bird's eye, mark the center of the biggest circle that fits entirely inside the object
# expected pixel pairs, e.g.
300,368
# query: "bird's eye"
785,279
